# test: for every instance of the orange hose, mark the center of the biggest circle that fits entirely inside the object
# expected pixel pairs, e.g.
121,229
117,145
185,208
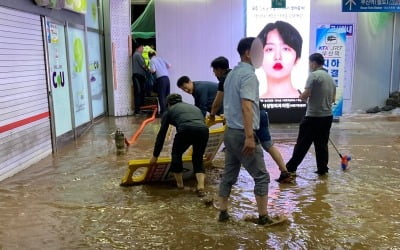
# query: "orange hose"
143,125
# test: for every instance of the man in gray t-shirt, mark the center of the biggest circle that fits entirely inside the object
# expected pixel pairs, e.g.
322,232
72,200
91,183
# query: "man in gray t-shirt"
242,148
320,92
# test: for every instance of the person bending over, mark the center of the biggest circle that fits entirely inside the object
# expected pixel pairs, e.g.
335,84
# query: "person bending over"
203,92
191,131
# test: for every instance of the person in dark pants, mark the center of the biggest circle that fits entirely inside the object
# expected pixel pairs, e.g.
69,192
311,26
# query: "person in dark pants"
220,66
139,78
320,92
203,92
160,67
191,130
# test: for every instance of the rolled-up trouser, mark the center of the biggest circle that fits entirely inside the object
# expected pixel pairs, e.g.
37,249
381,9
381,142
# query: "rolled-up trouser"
234,158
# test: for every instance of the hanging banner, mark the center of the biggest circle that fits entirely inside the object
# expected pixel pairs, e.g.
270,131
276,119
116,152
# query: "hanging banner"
370,6
331,43
348,67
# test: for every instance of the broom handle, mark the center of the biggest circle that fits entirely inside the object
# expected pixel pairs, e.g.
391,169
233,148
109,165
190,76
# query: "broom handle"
335,147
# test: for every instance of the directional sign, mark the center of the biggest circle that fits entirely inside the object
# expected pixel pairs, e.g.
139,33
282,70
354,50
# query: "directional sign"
370,6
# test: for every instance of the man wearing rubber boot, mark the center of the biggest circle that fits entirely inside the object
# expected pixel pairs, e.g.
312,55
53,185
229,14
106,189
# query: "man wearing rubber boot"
191,130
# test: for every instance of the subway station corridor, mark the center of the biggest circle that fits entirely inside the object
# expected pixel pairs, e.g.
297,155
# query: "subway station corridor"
73,200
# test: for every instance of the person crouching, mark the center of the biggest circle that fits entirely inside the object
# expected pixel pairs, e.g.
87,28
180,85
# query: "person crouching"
191,131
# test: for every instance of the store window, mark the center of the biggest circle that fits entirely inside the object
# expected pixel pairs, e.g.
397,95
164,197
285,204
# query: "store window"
96,71
77,59
59,79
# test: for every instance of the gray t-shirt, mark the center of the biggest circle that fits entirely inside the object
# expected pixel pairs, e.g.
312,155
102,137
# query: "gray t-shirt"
138,64
181,115
241,83
322,88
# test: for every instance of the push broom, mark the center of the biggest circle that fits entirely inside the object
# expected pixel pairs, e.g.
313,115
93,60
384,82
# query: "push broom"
344,158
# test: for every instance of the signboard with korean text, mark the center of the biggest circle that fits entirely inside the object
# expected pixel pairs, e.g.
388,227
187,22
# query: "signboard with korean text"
370,6
349,63
331,43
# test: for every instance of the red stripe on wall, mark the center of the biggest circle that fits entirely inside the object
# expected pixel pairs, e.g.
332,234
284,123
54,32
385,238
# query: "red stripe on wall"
23,122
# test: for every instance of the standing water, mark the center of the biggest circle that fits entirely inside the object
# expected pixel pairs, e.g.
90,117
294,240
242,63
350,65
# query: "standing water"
73,200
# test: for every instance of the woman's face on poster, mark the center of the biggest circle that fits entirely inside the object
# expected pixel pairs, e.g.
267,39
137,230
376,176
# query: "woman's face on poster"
279,58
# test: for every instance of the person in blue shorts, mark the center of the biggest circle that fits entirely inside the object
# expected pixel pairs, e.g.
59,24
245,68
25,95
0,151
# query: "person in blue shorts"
267,144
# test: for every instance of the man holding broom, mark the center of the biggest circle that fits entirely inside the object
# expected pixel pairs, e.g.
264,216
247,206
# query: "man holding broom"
320,93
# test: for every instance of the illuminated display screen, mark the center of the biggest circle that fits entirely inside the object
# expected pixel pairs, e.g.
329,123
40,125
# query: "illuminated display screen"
284,29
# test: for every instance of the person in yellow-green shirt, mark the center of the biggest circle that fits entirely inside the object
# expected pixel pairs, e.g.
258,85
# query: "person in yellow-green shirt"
145,54
149,76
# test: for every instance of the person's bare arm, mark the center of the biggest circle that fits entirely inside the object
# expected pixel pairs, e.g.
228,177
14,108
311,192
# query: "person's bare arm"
306,93
219,97
152,68
247,111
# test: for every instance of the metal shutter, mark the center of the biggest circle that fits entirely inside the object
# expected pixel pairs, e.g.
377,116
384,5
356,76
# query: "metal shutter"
25,134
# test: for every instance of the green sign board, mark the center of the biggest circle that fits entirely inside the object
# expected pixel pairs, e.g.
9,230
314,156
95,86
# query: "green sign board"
278,3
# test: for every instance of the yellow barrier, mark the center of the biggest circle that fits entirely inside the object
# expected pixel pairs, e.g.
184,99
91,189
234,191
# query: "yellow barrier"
160,171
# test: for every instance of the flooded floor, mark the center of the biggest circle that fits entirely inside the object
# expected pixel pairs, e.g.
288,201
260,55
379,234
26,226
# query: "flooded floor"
72,200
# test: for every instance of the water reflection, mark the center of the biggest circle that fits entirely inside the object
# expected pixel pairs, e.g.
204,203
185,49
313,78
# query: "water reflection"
73,200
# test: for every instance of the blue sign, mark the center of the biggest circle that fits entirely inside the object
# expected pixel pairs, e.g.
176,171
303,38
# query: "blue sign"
331,43
347,27
370,6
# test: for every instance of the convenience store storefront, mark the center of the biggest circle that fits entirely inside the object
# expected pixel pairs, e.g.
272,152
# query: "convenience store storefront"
52,80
